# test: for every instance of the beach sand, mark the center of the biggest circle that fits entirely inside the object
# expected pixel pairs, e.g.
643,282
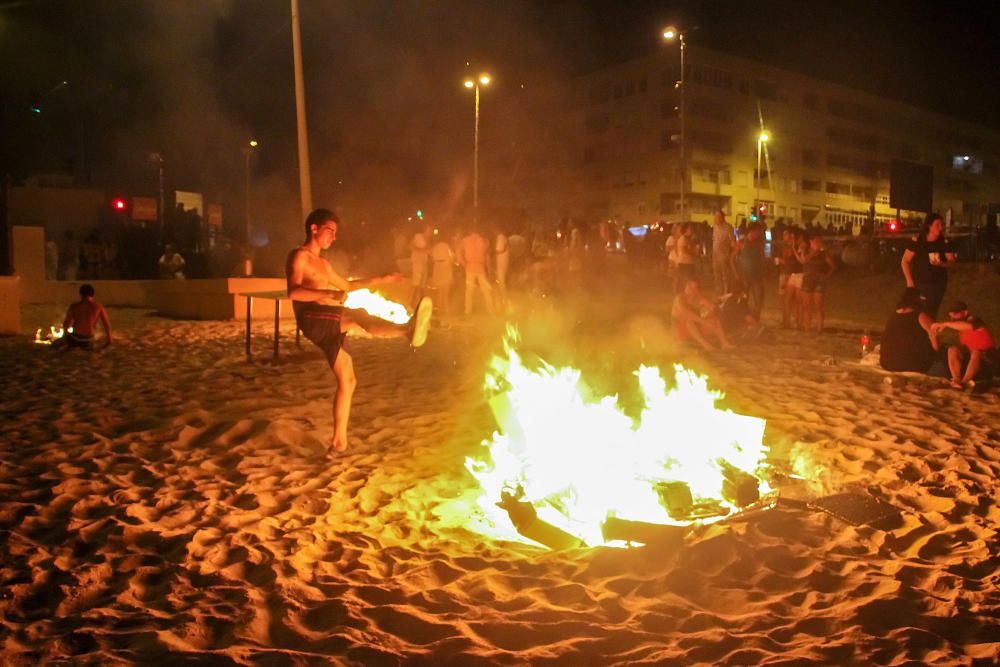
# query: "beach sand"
166,502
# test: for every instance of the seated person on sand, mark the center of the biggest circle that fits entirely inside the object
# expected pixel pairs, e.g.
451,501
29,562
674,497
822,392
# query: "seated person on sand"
317,294
695,318
906,342
974,342
80,323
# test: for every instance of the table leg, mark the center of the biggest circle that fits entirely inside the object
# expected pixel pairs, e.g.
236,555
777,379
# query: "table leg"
249,313
277,317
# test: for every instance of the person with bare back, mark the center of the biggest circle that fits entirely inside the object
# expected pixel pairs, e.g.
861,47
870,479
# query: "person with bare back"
317,293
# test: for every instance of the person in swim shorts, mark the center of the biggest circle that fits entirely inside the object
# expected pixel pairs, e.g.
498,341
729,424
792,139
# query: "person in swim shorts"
80,323
317,294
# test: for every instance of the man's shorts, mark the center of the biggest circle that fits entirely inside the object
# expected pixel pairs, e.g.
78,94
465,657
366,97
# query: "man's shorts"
321,325
794,280
77,341
813,284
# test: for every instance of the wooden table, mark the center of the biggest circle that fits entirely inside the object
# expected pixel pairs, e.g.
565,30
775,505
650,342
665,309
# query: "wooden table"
277,295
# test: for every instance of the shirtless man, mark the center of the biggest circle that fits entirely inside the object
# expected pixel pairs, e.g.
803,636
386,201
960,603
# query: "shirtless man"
472,255
81,319
317,293
695,318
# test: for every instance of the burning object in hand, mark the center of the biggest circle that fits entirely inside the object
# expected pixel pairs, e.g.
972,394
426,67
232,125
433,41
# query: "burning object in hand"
54,335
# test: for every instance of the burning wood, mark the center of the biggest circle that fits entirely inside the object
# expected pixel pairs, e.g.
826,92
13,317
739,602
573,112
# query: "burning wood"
738,487
525,519
55,334
658,534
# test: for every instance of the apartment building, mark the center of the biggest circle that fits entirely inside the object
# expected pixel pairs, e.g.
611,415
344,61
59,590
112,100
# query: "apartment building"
606,146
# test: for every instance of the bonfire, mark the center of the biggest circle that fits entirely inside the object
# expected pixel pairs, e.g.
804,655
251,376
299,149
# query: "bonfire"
576,461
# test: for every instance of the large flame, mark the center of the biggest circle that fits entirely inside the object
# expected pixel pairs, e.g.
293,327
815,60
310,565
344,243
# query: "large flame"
377,305
579,459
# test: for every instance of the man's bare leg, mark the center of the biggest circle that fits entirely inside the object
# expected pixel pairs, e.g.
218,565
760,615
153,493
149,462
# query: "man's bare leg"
343,370
694,330
714,328
975,361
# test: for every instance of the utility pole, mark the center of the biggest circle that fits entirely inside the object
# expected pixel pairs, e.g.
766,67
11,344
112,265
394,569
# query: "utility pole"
305,181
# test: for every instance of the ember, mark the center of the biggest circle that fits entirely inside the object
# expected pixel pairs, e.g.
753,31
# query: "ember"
578,460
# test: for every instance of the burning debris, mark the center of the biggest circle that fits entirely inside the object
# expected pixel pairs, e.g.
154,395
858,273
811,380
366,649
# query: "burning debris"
594,474
55,334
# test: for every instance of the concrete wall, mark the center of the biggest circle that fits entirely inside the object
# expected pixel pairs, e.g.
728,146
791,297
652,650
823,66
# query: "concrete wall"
10,305
206,299
56,209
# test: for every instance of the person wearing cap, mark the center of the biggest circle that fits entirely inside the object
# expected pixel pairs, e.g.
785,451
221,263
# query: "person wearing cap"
974,342
906,343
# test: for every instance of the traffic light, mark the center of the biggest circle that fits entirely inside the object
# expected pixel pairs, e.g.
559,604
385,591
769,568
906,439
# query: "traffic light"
893,226
420,214
118,204
36,103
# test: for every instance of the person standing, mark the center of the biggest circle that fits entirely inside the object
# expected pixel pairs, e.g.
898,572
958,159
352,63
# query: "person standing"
748,260
687,254
317,293
723,239
420,259
501,254
472,252
926,261
817,267
442,273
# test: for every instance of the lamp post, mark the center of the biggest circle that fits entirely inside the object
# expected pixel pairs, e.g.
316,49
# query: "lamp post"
670,33
476,84
247,153
762,138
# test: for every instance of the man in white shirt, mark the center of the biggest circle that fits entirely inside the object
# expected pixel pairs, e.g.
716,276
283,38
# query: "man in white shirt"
722,250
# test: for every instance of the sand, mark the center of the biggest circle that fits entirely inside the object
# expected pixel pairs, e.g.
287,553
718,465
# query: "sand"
165,502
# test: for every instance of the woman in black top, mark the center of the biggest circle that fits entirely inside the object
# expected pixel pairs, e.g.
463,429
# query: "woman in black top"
906,343
926,261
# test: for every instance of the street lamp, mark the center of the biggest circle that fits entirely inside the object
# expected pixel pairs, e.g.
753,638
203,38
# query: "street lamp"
670,33
762,139
475,84
248,151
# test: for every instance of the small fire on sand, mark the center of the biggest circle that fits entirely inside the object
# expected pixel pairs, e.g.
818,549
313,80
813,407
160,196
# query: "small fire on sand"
376,304
55,333
576,462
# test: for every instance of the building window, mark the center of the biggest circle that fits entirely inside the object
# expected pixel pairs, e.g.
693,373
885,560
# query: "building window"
810,185
793,185
743,179
765,90
834,188
810,157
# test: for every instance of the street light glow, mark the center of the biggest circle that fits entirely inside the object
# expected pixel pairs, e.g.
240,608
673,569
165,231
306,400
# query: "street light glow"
253,143
484,79
763,136
469,83
669,32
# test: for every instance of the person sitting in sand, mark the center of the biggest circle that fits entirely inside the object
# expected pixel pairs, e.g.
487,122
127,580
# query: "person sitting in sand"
974,342
906,343
317,293
695,318
80,323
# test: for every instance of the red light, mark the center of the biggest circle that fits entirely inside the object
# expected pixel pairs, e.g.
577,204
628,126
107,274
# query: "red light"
118,204
893,226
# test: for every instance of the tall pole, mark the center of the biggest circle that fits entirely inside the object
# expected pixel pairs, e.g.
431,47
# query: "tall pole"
757,175
246,191
305,182
680,36
475,166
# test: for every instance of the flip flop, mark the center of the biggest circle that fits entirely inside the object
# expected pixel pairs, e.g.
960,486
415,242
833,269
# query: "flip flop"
421,322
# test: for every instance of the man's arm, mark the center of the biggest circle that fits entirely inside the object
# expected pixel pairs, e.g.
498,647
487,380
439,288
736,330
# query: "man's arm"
105,321
905,265
68,320
960,325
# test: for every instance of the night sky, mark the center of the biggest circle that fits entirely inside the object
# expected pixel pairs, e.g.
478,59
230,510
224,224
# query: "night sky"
196,78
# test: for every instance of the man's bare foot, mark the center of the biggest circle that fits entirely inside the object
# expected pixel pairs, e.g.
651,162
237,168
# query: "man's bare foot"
339,443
